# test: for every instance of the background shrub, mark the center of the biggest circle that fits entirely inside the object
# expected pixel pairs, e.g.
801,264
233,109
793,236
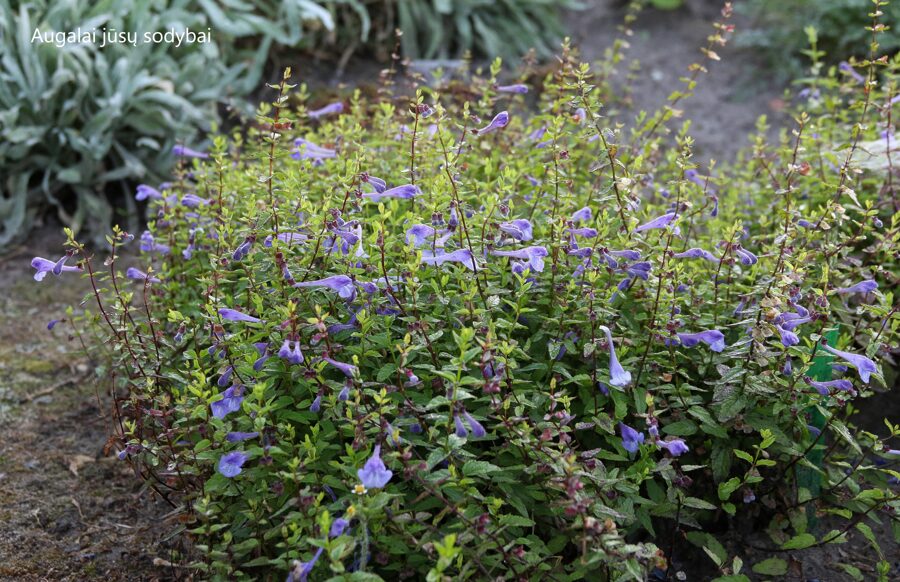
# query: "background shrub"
614,348
81,124
779,30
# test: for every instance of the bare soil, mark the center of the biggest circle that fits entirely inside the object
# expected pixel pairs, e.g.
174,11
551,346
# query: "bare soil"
67,510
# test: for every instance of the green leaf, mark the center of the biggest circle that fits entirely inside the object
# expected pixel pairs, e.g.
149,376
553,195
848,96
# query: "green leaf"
799,542
771,567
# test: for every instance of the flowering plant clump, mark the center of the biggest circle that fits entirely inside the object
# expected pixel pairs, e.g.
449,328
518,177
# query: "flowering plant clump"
438,337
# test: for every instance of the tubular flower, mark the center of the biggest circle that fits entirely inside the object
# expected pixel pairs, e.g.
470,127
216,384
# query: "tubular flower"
788,338
291,352
696,253
149,244
233,315
461,430
823,388
866,286
230,402
377,183
864,366
675,446
348,370
307,150
745,256
518,89
583,215
329,109
660,222
631,439
340,284
144,192
374,475
45,266
186,152
499,121
712,337
463,256
618,376
418,234
520,229
405,192
230,463
236,437
534,256
138,275
477,428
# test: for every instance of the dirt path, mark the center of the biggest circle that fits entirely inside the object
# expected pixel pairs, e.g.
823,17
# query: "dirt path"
67,511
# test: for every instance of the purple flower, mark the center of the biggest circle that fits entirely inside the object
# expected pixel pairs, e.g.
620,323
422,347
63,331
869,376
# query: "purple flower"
582,232
631,439
340,284
533,255
848,68
520,229
184,151
866,286
824,387
618,376
419,234
788,367
500,120
404,192
225,378
626,254
307,150
583,215
518,89
348,370
52,323
344,394
45,266
338,527
745,256
263,349
477,428
461,430
144,192
641,270
463,256
337,107
374,475
294,355
234,315
138,275
193,201
316,405
696,253
675,446
236,437
712,337
230,402
377,183
291,237
864,366
149,244
301,570
660,222
230,463
788,338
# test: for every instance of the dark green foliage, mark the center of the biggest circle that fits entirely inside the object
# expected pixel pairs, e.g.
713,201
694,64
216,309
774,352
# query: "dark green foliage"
400,348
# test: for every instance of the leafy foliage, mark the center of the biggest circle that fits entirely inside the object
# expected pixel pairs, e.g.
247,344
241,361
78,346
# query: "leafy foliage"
82,119
541,349
777,30
505,28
